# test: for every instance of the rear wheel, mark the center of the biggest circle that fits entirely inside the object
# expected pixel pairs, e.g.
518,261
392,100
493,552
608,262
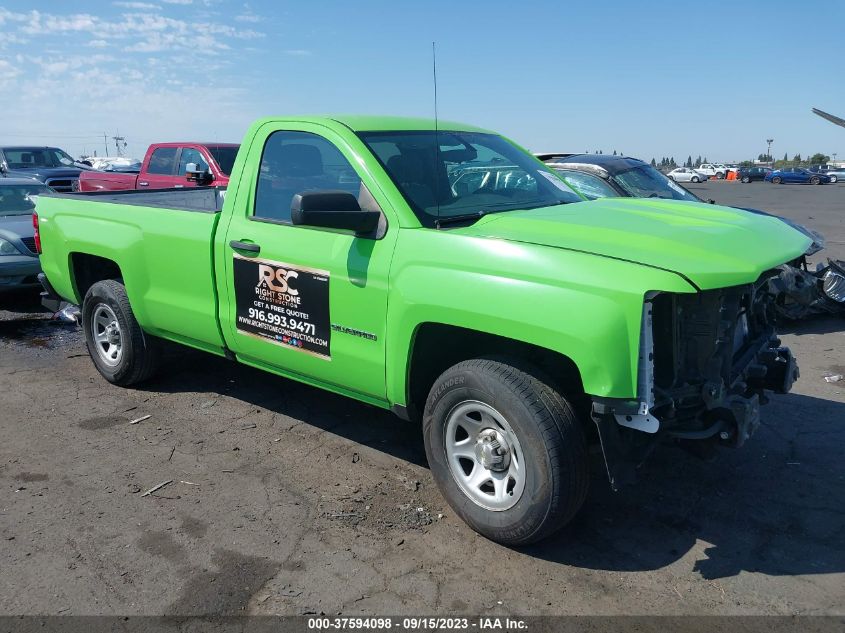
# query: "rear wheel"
672,178
120,349
777,180
720,175
746,179
506,450
815,180
695,179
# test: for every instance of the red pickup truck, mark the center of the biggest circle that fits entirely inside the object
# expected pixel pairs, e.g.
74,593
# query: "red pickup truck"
169,165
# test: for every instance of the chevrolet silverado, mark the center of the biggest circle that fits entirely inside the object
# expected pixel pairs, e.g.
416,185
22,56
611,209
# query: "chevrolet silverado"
369,257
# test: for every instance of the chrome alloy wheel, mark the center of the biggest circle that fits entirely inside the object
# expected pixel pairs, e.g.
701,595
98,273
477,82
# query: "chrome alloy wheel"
106,334
484,456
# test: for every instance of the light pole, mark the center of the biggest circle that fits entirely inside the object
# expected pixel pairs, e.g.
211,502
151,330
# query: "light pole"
769,141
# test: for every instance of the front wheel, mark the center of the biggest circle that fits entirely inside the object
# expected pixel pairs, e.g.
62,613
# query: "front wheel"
746,179
695,179
120,349
506,450
815,180
834,179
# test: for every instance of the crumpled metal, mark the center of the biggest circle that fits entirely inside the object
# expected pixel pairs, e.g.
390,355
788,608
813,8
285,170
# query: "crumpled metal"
802,293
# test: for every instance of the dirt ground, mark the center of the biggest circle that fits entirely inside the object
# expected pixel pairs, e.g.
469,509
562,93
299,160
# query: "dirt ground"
287,500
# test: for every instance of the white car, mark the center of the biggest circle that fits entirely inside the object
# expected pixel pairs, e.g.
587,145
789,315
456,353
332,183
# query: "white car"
713,170
685,174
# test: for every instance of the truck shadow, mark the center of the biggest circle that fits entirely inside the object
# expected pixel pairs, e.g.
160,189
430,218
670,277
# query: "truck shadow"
775,506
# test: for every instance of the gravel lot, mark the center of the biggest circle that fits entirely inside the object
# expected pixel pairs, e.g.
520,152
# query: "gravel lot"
289,500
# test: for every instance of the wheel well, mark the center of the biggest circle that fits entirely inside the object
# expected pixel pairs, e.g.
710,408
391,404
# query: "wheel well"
89,269
437,347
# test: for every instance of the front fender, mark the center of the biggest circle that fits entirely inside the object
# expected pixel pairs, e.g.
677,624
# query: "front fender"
585,307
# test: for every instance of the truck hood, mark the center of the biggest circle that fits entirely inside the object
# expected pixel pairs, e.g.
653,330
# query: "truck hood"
710,245
42,173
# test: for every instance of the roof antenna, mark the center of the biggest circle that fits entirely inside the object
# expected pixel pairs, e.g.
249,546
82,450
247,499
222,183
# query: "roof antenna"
436,135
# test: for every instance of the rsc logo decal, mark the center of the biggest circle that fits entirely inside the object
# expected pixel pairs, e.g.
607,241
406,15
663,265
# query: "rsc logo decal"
277,279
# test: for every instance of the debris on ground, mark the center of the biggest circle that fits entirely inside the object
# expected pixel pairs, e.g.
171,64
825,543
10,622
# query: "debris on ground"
141,419
68,313
834,378
157,487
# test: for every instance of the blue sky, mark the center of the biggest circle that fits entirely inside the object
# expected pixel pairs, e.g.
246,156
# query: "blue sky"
649,79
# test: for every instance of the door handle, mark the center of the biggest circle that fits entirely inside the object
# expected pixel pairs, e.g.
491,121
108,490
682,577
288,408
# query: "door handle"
245,246
143,184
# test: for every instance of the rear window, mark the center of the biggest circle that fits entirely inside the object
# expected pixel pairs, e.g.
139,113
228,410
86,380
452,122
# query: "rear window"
224,157
17,199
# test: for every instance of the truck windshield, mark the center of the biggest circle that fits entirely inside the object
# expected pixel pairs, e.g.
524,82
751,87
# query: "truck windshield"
448,174
34,157
646,182
224,156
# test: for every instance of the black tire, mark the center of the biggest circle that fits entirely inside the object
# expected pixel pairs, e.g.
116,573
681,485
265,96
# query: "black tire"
138,354
746,179
672,178
695,179
550,439
815,180
834,179
719,175
777,180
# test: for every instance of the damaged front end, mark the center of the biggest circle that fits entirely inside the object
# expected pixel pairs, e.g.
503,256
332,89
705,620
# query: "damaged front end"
801,292
705,362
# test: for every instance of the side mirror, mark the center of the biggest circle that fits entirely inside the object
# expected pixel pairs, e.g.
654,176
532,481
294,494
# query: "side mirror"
332,210
194,174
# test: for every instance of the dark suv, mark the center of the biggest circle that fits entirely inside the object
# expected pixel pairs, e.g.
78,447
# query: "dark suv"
50,165
747,174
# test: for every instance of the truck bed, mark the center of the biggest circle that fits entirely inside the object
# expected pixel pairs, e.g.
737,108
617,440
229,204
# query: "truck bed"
203,199
162,242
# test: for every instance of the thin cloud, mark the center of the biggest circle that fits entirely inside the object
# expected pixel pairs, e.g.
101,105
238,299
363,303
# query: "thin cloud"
137,5
298,52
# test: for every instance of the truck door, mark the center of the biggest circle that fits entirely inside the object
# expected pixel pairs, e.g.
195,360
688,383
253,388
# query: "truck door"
307,302
160,172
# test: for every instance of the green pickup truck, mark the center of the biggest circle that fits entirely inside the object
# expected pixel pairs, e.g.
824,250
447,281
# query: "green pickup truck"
440,271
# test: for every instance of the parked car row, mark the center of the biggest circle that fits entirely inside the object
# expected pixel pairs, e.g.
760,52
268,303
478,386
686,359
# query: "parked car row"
29,171
797,175
833,172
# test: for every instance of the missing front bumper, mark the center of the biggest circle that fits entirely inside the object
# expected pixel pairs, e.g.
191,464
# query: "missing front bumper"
715,355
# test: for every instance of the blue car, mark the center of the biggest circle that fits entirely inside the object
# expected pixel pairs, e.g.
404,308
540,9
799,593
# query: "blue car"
797,175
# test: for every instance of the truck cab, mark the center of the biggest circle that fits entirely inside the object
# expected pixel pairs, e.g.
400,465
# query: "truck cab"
166,165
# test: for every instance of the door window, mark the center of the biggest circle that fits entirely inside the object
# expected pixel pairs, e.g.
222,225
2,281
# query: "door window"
163,161
191,155
296,162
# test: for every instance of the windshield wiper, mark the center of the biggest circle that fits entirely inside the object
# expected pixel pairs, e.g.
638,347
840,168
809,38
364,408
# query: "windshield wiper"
464,217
